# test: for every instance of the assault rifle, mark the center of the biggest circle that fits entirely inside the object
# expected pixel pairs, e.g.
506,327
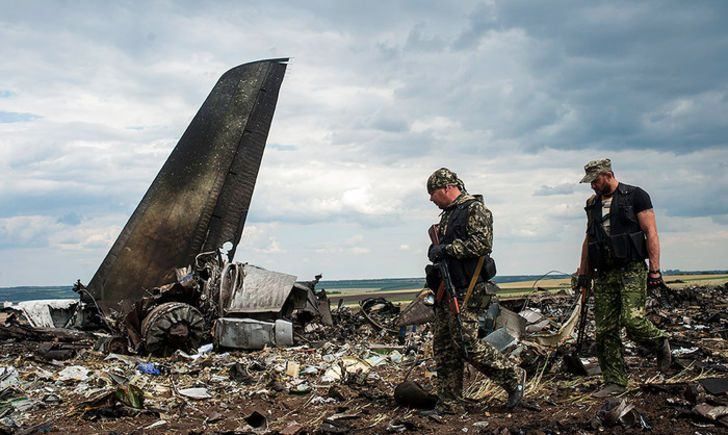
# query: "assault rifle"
572,360
446,287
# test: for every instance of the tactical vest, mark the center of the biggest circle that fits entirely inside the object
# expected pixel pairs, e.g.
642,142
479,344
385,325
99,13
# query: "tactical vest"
626,241
461,270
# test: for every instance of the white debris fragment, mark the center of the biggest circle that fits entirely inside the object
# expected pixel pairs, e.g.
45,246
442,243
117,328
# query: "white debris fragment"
8,377
395,357
156,424
198,393
73,373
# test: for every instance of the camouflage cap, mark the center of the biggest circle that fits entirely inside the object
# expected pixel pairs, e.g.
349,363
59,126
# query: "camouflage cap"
594,168
443,177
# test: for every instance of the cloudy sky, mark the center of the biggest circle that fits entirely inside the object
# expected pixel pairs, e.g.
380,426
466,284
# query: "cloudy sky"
514,96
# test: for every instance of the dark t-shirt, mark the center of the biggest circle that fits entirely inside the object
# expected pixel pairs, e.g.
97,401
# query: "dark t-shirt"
641,200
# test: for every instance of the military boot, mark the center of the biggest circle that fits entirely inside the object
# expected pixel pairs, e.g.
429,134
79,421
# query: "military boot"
664,355
516,394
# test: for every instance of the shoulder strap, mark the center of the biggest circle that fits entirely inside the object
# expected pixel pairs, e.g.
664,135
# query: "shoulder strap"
473,280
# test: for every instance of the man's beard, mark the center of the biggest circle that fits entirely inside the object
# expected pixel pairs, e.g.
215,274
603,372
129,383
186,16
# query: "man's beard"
606,190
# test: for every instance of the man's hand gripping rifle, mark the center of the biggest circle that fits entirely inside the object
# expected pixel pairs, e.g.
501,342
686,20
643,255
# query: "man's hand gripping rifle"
446,288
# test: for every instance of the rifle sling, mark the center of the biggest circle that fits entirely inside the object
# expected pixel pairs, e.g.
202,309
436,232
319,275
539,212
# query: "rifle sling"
473,280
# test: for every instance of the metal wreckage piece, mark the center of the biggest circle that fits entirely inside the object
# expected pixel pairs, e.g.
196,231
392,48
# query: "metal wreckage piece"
167,284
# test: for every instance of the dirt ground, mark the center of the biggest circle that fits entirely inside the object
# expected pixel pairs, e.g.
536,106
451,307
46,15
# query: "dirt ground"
254,392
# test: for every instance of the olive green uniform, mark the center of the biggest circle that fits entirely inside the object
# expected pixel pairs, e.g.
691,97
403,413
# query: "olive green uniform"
620,295
447,342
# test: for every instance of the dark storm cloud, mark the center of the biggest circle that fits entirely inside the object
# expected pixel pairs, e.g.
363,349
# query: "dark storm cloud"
695,199
629,75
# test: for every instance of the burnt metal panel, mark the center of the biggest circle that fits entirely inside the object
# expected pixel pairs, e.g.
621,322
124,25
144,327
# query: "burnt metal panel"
201,196
251,334
254,290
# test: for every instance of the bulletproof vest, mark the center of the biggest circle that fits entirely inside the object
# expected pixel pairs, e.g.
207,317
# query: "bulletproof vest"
626,241
461,271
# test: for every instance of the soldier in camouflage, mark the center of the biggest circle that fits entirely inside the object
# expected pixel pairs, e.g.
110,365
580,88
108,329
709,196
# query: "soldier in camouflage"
621,234
465,234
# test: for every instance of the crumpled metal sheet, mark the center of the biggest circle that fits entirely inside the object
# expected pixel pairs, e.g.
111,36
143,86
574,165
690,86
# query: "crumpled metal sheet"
200,198
254,290
515,324
49,313
501,339
565,331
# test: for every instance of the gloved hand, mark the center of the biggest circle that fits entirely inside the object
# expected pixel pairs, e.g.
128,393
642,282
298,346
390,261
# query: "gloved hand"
436,253
583,281
655,282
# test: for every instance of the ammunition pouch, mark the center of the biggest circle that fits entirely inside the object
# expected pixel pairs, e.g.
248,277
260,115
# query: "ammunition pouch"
598,254
639,245
432,277
488,271
618,250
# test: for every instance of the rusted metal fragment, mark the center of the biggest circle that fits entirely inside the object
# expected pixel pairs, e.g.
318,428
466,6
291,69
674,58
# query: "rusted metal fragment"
419,311
200,198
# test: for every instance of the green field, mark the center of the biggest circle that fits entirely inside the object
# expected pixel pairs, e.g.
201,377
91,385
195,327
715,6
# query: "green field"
515,290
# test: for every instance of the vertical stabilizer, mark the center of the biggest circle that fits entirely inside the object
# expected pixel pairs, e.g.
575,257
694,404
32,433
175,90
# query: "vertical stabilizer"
201,196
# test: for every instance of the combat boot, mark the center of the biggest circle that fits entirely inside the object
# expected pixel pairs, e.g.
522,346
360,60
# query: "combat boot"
516,394
664,356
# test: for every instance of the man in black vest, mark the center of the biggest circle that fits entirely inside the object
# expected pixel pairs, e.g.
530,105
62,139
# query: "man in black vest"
465,234
621,233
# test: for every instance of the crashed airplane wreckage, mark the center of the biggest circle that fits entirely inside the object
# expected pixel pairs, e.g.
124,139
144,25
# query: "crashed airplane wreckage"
169,281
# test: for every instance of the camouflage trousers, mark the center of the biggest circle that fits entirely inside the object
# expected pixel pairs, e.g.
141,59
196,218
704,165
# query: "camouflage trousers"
447,349
620,295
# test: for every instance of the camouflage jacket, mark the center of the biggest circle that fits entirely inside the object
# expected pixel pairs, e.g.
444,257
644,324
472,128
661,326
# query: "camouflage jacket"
478,238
